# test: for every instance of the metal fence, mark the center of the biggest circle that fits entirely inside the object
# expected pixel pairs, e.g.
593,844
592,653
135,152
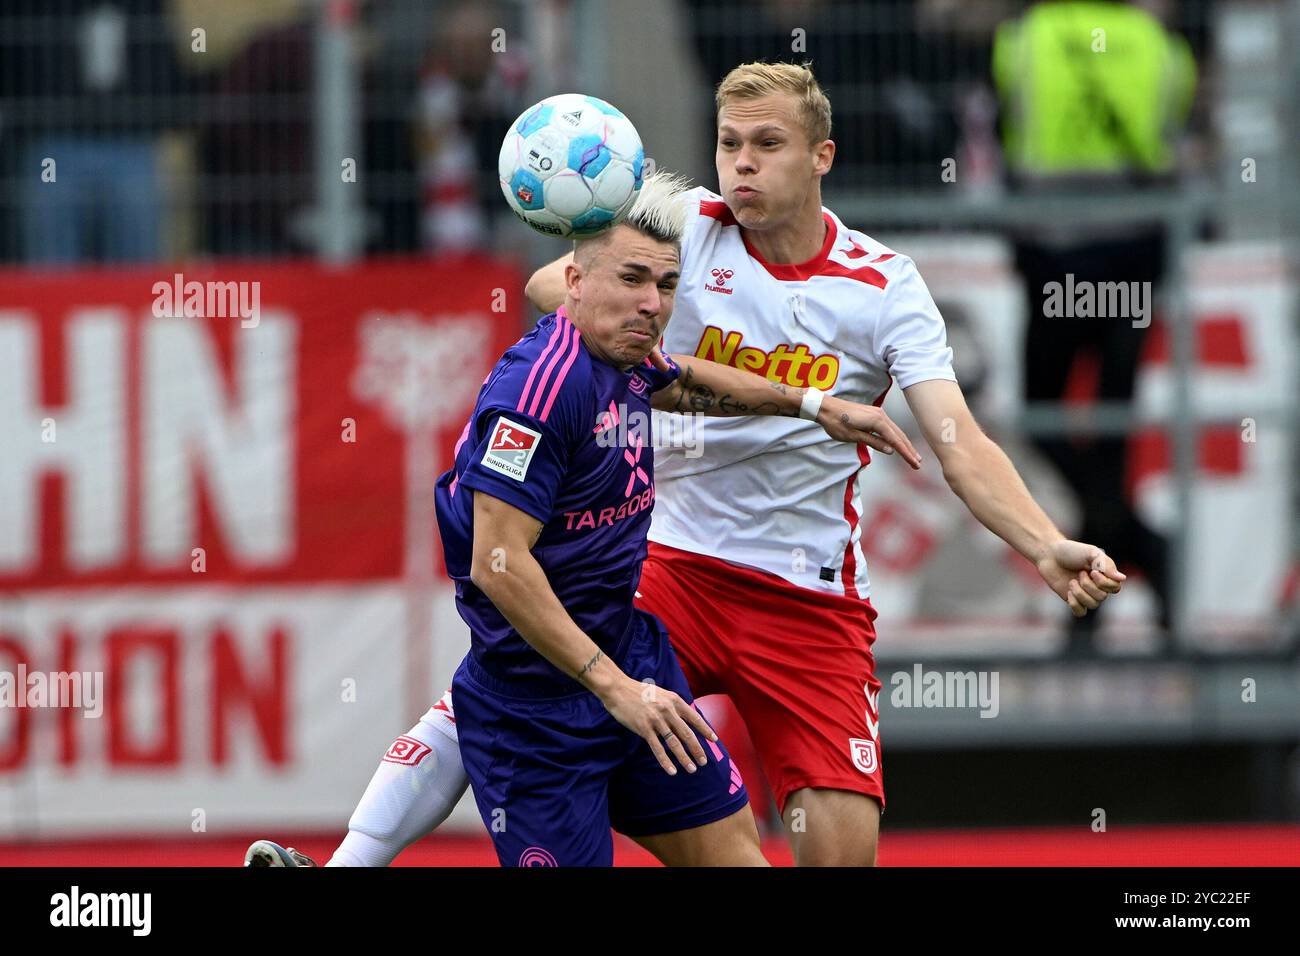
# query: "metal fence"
197,127
145,129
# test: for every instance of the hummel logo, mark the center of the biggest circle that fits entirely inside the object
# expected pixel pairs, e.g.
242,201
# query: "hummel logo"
720,276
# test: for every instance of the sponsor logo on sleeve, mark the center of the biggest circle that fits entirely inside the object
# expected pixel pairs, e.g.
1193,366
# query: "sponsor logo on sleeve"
511,448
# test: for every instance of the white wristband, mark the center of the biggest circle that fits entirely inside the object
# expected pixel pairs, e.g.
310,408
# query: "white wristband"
811,404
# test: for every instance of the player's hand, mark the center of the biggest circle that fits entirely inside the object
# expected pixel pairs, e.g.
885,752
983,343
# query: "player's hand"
865,424
665,721
1082,575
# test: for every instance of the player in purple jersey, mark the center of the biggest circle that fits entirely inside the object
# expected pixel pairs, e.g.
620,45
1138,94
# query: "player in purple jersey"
575,714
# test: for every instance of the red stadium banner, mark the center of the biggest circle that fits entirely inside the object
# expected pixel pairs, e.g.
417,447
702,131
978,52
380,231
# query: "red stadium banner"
219,573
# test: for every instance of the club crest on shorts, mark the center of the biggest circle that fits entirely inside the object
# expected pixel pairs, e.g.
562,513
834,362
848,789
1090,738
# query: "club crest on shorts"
536,856
407,751
863,753
510,449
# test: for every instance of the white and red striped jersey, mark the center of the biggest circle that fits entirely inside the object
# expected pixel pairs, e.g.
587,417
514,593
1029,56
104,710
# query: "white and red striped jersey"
778,493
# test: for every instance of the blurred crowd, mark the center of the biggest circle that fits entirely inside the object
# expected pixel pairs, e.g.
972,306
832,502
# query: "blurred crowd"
170,141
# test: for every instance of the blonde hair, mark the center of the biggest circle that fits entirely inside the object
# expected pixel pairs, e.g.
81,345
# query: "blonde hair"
660,207
751,80
659,212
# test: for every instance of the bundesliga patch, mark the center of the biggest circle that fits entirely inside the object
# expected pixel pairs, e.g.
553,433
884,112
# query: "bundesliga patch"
511,449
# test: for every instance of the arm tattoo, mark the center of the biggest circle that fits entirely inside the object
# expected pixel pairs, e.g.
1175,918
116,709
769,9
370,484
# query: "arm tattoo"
590,664
730,406
789,413
683,380
695,398
701,398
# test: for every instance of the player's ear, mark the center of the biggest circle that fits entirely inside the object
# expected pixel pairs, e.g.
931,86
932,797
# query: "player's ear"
823,157
573,279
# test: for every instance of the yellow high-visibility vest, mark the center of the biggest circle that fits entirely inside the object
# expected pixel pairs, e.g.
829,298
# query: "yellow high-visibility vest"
1091,88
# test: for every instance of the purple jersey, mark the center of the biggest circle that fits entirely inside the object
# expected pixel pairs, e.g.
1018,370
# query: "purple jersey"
565,437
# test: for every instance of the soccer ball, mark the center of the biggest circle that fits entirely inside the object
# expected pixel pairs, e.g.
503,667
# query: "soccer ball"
571,166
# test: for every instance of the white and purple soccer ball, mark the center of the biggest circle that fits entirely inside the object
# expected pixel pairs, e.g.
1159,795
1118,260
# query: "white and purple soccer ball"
571,166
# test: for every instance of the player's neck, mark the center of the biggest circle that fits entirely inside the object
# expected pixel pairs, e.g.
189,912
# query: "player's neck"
794,242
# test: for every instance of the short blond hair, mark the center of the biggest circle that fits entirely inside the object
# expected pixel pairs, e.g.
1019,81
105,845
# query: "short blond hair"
749,81
659,212
660,208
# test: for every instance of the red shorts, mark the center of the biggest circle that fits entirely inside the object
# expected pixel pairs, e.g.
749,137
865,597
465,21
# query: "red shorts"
796,663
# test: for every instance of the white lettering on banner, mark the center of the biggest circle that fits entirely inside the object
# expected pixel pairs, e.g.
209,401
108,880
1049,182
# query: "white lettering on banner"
242,445
89,451
239,441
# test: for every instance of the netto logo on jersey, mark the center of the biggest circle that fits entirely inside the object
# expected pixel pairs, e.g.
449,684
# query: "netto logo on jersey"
720,276
789,364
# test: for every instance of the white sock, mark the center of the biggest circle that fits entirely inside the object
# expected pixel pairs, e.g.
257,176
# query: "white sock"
419,781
